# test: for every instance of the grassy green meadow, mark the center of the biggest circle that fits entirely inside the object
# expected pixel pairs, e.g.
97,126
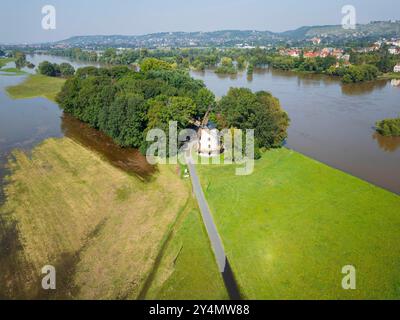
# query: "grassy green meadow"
290,227
36,86
4,61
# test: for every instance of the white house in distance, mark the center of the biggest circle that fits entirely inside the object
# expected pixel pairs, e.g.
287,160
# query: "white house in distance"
209,140
396,68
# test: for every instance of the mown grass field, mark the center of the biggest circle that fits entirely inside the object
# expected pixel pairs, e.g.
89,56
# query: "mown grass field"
291,226
36,86
100,227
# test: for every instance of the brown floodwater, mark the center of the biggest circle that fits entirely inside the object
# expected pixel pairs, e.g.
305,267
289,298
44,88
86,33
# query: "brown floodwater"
388,144
24,123
330,122
127,159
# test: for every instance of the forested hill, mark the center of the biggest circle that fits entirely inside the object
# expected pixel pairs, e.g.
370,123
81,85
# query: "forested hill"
373,30
377,29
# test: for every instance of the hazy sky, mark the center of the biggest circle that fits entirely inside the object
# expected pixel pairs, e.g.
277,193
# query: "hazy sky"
20,20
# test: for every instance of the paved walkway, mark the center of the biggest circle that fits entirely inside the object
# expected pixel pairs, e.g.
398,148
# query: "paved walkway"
212,231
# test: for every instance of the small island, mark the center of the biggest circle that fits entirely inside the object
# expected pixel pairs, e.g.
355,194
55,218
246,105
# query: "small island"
389,127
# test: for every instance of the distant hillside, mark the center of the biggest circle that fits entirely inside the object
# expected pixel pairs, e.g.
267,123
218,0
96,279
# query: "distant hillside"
374,29
175,39
228,38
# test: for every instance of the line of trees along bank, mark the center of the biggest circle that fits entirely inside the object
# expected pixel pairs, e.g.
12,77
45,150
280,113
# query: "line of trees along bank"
230,61
125,104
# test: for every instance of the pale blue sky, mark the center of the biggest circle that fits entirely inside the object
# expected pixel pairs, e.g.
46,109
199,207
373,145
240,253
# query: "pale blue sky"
20,20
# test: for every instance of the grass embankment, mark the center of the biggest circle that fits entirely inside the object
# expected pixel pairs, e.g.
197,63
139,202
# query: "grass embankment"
99,226
9,71
390,76
188,269
4,61
291,226
12,72
37,86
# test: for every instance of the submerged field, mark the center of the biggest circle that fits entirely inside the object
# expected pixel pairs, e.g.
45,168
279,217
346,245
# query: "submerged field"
101,228
4,61
37,86
290,227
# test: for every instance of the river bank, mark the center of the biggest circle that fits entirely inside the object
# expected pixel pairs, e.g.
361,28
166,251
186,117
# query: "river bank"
69,200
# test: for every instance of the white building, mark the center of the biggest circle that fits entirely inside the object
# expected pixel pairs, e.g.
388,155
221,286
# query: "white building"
209,141
396,68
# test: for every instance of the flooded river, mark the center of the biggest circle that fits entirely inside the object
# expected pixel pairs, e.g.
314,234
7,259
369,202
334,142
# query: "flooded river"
331,122
26,122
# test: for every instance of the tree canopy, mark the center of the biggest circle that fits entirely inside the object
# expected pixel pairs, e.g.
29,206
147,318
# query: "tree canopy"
54,70
260,111
125,104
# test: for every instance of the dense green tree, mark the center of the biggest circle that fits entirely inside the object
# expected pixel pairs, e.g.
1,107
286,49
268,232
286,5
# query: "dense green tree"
48,69
243,109
389,127
20,59
66,70
126,104
241,62
204,100
152,64
164,109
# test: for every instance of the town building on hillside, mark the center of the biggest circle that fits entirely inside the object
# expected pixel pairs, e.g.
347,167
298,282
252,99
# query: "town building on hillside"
326,52
311,54
396,68
394,50
346,57
294,53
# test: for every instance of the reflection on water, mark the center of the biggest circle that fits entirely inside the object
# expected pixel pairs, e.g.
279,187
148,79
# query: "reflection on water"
395,83
356,89
24,123
388,144
127,159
